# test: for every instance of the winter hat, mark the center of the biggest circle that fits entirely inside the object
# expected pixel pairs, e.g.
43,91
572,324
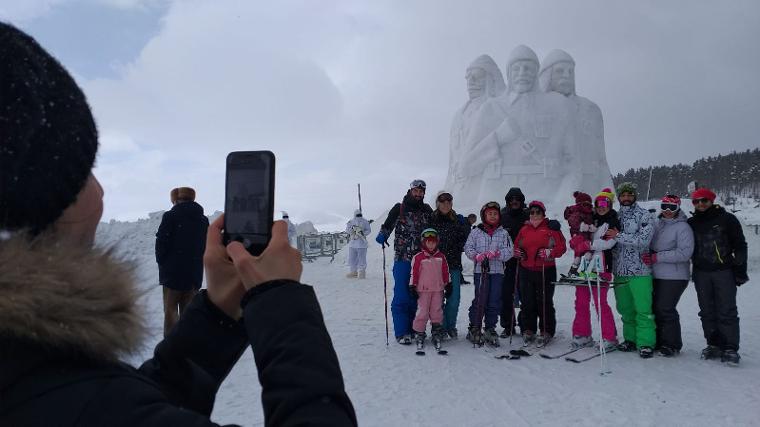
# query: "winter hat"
173,195
605,194
672,199
490,205
703,193
553,57
627,187
581,197
537,204
514,192
48,137
496,84
185,194
442,192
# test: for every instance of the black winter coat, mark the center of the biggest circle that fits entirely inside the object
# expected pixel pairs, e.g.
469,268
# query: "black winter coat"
452,235
719,242
513,219
61,337
180,243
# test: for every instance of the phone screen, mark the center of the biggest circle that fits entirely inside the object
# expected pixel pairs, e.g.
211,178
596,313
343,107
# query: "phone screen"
249,204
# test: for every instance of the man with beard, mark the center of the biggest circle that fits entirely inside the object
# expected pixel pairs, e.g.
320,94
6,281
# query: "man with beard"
513,216
634,299
408,219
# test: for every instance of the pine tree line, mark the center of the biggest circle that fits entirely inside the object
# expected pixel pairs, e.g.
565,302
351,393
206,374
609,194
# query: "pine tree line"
731,175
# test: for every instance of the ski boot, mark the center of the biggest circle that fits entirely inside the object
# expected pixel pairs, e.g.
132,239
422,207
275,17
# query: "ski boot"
404,339
730,357
506,333
475,336
491,337
419,339
351,275
609,345
711,352
528,338
437,333
361,274
581,342
667,351
453,333
626,346
646,352
543,339
573,271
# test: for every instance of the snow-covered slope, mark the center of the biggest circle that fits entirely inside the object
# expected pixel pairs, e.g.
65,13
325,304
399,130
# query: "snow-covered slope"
390,386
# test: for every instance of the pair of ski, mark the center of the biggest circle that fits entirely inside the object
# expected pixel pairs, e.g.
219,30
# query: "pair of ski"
522,352
582,281
575,355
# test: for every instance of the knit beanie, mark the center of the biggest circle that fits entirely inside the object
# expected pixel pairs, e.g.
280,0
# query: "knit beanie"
605,194
537,204
581,197
627,187
48,138
703,193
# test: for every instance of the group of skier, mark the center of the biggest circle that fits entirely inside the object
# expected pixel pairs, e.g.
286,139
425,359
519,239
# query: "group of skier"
643,257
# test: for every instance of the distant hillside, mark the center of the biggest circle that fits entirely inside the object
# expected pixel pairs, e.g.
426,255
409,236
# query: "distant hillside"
732,175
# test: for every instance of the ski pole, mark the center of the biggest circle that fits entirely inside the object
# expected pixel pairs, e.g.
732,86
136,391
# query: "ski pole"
385,297
514,290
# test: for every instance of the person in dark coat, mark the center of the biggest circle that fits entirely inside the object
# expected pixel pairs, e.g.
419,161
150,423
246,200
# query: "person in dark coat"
180,243
513,217
73,311
719,265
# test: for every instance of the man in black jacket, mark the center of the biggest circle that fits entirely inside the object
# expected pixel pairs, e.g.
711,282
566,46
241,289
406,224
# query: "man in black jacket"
180,243
513,216
72,310
719,267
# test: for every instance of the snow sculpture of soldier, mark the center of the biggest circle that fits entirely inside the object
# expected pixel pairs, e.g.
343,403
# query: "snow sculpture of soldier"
484,81
291,229
532,145
358,229
558,75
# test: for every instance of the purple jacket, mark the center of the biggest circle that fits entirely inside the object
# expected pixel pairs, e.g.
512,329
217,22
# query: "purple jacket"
479,241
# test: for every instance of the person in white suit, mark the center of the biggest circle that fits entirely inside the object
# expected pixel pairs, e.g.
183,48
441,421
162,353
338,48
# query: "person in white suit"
358,229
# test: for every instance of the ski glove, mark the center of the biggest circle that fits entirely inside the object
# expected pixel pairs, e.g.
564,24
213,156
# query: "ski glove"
544,254
381,238
413,291
649,259
493,254
448,290
481,257
554,225
518,253
582,246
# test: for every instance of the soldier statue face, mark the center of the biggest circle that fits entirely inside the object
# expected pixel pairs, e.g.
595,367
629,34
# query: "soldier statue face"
563,78
522,75
476,82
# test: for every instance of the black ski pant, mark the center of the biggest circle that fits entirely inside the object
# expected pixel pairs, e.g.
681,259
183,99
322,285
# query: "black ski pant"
537,299
716,293
665,299
508,296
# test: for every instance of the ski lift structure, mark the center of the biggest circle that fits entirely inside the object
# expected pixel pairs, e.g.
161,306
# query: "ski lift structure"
316,245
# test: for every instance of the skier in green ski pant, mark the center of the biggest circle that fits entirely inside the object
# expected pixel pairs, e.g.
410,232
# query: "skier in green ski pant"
634,298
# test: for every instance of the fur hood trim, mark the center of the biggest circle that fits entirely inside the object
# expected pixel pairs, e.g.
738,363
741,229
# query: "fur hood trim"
68,298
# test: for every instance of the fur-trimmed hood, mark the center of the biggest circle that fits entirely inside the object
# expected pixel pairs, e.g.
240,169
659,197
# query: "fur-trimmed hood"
72,299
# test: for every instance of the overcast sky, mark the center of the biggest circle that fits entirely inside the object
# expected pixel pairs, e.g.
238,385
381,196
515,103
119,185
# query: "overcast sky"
347,92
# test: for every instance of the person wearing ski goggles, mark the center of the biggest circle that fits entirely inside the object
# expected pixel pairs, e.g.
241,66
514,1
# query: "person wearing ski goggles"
670,251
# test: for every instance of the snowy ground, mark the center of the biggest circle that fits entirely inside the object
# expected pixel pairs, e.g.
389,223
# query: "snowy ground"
390,386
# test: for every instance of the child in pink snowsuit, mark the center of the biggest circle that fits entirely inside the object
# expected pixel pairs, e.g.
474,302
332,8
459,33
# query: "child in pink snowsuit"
430,276
579,218
604,218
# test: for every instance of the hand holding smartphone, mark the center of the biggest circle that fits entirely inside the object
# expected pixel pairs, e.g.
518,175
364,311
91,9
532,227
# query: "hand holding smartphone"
249,199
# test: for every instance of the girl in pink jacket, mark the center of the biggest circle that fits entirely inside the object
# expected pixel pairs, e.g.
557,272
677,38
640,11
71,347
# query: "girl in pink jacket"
430,277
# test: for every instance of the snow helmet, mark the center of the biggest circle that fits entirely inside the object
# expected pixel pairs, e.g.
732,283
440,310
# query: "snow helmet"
429,234
418,183
670,202
489,205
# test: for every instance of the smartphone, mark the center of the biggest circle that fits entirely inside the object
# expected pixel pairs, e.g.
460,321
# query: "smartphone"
249,199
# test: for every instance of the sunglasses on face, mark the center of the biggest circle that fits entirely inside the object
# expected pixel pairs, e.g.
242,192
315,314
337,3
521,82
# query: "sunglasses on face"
672,207
445,198
702,200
